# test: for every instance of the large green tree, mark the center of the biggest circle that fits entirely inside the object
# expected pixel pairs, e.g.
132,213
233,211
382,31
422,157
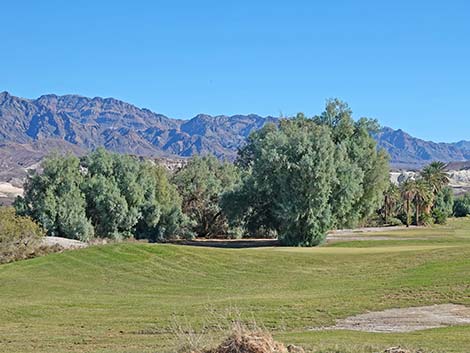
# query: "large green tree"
55,200
112,195
361,169
304,176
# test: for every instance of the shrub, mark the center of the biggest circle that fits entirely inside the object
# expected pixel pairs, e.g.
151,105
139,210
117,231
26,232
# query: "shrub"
439,216
443,205
462,206
392,221
20,237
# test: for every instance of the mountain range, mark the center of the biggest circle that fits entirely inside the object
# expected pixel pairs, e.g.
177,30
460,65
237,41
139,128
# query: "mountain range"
32,128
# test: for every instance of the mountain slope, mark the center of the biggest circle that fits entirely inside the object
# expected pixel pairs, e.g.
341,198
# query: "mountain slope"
410,152
32,128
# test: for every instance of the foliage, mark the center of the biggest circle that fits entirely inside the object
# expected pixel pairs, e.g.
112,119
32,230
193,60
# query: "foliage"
108,194
201,184
427,196
55,200
443,205
361,173
423,200
434,174
20,237
394,221
407,194
305,176
391,204
462,206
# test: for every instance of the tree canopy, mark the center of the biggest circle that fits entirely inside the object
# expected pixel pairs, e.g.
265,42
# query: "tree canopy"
106,194
305,176
201,184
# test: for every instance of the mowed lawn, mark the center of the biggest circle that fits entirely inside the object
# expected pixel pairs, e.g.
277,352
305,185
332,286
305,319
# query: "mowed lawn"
130,297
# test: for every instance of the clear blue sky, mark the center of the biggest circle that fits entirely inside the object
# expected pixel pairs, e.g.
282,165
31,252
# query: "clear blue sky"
406,63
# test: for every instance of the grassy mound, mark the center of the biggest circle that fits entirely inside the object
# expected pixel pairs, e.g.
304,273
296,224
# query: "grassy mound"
126,297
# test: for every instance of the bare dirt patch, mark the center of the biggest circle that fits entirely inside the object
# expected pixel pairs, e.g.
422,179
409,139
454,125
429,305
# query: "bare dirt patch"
406,319
333,236
364,234
63,242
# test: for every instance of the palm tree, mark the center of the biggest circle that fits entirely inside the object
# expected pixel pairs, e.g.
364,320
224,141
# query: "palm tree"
407,191
423,197
435,175
391,199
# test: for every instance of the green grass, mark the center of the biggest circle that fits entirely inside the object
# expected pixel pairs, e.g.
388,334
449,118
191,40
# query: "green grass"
128,297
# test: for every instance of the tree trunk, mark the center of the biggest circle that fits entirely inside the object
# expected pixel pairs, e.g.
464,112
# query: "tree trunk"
417,215
407,213
386,209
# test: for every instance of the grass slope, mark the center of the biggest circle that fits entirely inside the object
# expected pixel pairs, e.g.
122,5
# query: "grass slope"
127,297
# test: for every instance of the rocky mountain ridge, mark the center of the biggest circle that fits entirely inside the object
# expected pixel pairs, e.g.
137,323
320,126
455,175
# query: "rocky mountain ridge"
32,128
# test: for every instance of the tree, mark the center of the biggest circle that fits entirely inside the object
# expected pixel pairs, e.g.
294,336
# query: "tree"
113,195
434,174
443,205
462,206
408,191
108,209
362,170
391,201
162,216
54,198
304,176
201,184
423,198
290,177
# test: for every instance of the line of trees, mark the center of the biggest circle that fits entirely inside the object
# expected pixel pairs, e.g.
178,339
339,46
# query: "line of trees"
294,180
420,200
103,194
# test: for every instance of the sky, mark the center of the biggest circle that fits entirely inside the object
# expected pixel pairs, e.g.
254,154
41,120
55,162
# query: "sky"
406,63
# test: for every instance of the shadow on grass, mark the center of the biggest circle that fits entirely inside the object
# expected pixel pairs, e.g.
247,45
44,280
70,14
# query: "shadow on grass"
229,243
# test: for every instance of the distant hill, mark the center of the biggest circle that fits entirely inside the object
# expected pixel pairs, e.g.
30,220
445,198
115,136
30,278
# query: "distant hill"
32,128
407,152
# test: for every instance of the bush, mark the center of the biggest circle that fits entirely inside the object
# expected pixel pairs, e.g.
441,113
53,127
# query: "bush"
392,221
462,206
425,220
439,216
20,237
443,205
